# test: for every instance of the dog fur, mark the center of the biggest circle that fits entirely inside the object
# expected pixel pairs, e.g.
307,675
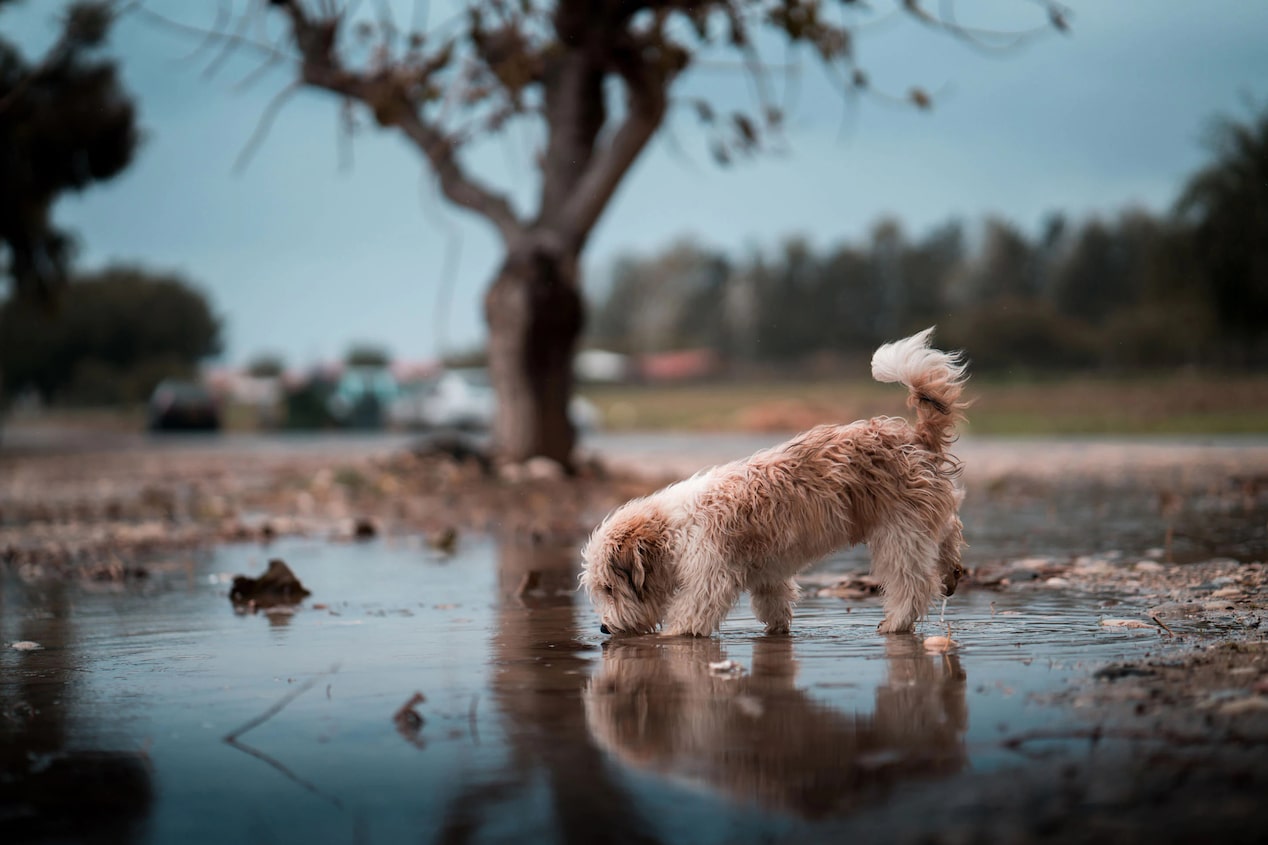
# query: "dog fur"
683,555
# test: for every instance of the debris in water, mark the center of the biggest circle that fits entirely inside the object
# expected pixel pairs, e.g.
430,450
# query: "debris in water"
409,722
26,645
726,667
1125,623
445,540
939,643
278,585
364,529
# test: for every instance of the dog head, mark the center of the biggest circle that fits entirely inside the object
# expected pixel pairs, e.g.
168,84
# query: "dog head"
627,570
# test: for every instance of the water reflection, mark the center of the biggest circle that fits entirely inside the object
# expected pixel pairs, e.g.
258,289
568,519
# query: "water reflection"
657,706
539,665
50,790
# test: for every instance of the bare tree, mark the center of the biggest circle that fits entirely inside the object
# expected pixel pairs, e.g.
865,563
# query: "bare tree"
559,63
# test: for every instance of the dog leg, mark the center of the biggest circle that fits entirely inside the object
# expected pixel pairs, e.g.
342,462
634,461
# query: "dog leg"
773,604
906,563
708,592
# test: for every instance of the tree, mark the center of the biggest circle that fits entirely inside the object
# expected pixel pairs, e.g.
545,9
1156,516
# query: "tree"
558,63
1226,204
116,335
65,124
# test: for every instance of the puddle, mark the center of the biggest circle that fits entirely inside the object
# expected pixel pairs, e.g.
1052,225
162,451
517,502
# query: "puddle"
531,728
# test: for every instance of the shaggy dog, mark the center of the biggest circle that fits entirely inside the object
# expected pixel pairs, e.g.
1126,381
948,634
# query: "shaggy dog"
758,736
683,555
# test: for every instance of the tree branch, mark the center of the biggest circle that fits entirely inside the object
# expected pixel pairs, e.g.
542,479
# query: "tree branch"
384,93
646,102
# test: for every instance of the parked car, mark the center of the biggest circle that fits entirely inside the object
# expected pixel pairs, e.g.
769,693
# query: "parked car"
362,397
182,406
464,399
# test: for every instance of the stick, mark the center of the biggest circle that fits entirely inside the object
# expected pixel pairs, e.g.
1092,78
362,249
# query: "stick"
279,706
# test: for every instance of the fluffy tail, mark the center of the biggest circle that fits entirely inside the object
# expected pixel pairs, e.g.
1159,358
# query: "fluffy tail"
935,380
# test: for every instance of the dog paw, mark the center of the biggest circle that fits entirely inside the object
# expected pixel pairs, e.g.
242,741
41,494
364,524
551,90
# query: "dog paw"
893,626
777,629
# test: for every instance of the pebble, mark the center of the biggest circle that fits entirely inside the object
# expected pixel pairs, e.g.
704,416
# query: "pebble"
1124,623
26,645
1149,566
1244,705
939,643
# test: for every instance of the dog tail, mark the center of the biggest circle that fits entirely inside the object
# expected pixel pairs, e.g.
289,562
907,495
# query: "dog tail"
935,379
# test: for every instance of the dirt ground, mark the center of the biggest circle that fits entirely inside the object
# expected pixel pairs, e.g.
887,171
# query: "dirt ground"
1180,527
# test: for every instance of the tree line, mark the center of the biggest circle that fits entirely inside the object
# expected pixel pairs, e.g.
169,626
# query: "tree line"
1136,290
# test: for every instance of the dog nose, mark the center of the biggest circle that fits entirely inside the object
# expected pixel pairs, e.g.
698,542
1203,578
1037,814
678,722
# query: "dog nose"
603,629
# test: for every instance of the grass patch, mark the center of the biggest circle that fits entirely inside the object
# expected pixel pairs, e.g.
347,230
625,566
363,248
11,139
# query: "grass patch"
1189,403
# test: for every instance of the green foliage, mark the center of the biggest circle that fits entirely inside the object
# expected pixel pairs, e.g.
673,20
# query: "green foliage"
1137,291
118,333
1227,206
65,123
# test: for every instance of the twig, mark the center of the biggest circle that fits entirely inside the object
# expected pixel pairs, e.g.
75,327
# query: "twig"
265,123
231,738
281,767
280,705
1162,625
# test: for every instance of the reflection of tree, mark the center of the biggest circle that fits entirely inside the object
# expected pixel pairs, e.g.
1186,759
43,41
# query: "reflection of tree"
47,791
538,673
758,737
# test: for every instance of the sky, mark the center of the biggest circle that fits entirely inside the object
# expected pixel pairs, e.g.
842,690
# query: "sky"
304,258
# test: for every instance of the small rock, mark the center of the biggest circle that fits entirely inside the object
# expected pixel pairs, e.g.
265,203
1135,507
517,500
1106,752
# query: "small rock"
1244,705
542,468
26,645
364,528
1149,566
445,540
278,585
1113,673
1056,582
939,644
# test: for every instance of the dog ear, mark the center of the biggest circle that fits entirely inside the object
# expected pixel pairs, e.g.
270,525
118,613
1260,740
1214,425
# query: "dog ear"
629,562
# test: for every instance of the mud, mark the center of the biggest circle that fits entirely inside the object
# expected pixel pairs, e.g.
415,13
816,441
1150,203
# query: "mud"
445,682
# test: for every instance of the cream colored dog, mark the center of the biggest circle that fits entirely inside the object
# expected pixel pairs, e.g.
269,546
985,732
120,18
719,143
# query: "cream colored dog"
683,555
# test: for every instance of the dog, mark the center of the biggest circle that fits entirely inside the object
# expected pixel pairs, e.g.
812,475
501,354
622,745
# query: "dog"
680,557
757,736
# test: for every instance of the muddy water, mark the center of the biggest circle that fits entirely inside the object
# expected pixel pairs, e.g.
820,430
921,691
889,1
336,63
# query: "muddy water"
155,713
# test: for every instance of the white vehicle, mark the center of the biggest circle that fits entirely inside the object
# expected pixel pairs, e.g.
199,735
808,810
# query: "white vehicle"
464,399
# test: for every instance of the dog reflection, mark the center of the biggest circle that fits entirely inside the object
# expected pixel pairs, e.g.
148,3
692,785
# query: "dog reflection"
656,705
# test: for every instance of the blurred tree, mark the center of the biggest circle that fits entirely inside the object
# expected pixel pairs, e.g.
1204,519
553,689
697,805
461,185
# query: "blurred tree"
118,333
1227,206
65,123
562,63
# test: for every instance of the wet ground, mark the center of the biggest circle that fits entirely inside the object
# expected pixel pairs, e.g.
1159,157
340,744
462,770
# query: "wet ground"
418,695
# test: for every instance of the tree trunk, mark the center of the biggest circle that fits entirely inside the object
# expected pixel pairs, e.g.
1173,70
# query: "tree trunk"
535,316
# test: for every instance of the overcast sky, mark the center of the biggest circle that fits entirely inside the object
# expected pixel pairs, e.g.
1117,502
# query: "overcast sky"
303,258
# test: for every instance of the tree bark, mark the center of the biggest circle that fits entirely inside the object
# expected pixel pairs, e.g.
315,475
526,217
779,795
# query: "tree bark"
535,316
